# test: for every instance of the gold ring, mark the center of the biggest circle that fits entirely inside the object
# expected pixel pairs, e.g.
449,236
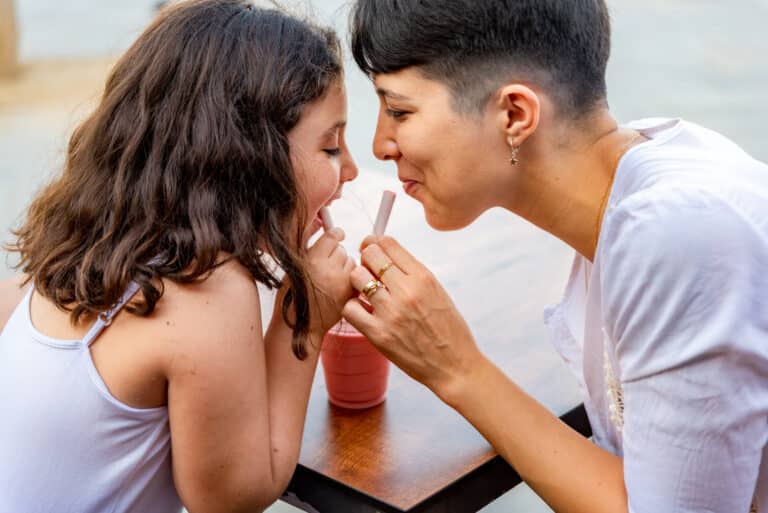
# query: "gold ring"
371,288
384,268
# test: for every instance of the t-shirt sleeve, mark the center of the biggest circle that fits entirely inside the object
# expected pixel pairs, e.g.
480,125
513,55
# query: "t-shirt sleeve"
684,288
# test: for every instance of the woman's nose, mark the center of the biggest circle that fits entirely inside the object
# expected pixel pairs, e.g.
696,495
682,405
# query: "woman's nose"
384,144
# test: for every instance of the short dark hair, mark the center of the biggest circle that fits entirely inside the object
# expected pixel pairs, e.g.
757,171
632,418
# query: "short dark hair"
186,157
472,46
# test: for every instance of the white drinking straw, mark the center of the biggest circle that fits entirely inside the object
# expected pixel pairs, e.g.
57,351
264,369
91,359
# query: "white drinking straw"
325,215
385,209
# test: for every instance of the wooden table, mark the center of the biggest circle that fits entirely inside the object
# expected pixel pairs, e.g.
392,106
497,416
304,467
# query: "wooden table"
412,453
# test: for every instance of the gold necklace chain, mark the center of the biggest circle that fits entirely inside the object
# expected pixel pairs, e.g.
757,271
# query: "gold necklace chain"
604,200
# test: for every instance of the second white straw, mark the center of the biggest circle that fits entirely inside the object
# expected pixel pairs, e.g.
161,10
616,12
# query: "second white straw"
325,215
385,209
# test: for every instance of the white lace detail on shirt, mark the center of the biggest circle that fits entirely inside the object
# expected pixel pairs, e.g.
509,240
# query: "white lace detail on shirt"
615,394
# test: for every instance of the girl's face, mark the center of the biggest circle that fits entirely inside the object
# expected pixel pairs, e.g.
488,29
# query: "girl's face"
320,155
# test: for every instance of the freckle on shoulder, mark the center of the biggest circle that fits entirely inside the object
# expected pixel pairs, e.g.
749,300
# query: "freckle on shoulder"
229,294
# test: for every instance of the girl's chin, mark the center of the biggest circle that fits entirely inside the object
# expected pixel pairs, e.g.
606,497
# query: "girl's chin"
315,225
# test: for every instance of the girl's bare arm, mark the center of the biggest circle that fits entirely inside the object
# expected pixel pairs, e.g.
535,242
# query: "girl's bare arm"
11,294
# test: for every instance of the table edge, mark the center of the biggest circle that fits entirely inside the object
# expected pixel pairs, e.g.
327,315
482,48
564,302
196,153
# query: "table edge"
482,491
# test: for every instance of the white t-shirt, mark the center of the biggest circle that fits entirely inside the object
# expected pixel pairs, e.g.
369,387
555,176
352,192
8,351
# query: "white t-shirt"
667,332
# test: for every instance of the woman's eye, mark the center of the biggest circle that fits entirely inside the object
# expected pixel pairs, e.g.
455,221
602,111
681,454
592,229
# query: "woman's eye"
333,152
395,114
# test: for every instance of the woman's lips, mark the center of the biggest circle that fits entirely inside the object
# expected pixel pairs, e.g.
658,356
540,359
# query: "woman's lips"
409,186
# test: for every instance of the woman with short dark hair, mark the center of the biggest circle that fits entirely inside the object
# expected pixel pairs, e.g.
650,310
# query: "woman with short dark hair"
502,103
218,139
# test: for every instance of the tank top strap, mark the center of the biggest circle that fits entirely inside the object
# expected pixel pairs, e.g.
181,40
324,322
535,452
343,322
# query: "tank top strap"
105,318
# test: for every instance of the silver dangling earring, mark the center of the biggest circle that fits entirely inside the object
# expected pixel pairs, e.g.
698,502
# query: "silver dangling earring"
515,152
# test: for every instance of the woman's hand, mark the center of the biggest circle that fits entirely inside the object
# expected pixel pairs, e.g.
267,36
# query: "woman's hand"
329,287
414,322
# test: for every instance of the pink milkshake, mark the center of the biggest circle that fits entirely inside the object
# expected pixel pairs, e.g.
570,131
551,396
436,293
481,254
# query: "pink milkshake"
355,372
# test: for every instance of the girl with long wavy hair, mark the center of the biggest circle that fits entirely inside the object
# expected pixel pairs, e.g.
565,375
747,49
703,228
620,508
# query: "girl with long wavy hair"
134,332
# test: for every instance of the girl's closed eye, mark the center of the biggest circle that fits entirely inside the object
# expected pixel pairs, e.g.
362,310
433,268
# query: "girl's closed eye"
333,152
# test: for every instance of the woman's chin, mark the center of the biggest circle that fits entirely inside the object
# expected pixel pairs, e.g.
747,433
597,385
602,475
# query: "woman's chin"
447,221
442,223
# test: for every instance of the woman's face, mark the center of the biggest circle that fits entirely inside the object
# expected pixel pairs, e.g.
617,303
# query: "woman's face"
320,155
448,161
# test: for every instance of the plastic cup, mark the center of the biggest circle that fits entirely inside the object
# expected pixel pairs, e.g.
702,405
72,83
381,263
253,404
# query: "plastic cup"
355,372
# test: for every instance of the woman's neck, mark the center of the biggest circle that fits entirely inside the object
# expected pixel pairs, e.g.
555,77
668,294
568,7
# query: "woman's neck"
565,177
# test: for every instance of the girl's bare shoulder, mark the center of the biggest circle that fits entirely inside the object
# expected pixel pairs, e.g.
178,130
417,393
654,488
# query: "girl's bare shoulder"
225,300
191,322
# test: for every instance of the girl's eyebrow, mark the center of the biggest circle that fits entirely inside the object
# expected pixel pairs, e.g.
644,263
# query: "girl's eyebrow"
336,126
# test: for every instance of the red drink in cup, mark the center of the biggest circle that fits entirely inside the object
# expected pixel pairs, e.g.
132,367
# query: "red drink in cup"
355,372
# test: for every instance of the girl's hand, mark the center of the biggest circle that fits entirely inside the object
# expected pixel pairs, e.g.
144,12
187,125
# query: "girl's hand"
329,286
414,322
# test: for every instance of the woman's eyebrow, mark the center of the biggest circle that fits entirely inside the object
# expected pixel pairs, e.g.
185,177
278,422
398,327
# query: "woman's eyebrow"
390,94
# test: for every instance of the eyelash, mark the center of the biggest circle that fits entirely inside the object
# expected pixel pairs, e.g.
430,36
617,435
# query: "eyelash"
396,114
335,152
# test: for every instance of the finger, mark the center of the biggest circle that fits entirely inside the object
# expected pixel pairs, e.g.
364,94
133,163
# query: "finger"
328,241
405,261
337,233
340,254
370,239
360,277
349,265
374,258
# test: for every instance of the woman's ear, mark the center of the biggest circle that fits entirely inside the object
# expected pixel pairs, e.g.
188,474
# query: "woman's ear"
518,113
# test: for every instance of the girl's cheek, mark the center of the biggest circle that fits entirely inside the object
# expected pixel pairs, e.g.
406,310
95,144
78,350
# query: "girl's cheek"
336,164
333,184
327,181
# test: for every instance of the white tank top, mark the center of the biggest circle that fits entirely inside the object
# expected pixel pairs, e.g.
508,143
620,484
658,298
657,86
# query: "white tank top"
66,444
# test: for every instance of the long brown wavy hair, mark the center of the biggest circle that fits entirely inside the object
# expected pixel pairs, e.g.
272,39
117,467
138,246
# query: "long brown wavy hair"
185,157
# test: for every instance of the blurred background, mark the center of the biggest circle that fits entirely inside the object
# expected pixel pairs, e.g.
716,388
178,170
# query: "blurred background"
703,60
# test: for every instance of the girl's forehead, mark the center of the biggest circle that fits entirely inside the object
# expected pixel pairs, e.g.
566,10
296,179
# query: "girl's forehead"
325,116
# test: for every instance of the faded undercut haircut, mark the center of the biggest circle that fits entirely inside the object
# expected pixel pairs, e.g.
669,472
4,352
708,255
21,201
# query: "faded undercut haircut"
474,46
